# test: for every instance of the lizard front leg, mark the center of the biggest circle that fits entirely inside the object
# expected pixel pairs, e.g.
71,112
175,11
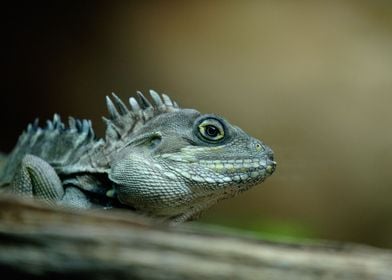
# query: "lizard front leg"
37,179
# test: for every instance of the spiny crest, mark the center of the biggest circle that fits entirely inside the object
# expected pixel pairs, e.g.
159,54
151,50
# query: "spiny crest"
56,132
56,125
123,120
55,142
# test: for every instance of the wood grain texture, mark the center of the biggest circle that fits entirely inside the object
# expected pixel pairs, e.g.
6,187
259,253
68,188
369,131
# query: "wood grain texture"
37,242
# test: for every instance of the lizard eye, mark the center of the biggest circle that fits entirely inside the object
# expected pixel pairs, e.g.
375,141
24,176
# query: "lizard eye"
211,129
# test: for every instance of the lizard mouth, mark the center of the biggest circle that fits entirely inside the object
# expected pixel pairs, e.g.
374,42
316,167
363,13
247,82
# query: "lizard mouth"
241,171
244,165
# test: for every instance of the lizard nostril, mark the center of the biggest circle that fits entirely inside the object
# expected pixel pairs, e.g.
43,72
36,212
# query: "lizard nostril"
271,168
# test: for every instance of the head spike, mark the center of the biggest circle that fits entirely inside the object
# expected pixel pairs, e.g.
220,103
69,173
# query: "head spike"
85,126
123,119
36,123
49,125
111,108
143,101
134,105
29,128
120,105
79,125
156,98
90,129
167,100
57,124
56,118
71,123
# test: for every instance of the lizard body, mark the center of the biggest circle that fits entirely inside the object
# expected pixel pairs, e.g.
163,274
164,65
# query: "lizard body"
156,158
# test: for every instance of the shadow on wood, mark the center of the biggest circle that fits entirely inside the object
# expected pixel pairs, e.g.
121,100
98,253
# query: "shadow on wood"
38,242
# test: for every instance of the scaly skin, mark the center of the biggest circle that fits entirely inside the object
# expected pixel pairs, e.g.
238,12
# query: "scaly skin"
157,159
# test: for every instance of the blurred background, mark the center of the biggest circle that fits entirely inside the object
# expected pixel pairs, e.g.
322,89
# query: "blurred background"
312,79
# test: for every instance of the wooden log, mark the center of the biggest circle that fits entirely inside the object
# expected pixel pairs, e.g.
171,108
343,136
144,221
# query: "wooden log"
38,242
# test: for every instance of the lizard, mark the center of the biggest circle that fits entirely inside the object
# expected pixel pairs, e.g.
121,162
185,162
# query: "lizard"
155,158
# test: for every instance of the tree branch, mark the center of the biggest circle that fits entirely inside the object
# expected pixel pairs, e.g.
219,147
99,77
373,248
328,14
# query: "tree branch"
41,242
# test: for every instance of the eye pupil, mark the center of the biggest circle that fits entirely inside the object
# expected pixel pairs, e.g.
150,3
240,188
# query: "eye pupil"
212,130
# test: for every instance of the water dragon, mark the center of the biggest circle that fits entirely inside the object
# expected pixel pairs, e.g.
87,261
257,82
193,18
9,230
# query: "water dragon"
155,158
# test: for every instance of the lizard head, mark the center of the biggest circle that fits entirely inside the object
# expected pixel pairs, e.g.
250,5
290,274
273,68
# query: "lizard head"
175,162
